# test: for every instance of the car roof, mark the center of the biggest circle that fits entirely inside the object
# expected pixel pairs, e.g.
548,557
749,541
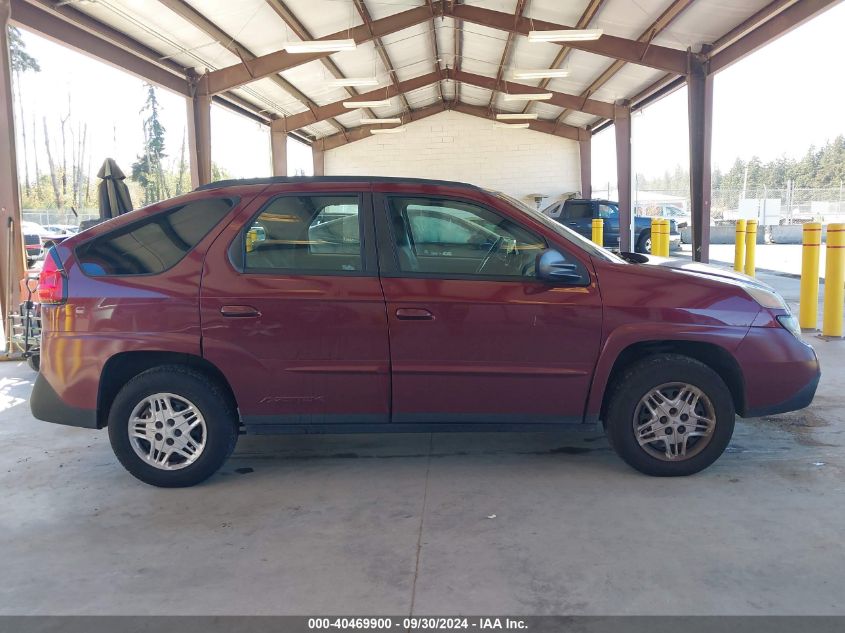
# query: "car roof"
274,180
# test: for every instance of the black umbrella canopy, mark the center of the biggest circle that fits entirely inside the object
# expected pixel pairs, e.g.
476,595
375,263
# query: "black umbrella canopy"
113,193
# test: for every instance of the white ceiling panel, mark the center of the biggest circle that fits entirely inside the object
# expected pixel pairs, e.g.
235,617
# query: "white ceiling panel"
261,30
482,49
383,8
630,80
565,13
311,79
446,41
706,21
474,95
251,22
409,51
626,18
322,17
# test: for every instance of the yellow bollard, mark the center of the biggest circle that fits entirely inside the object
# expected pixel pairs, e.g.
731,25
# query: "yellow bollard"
598,231
658,225
834,281
667,228
750,247
655,240
808,307
739,247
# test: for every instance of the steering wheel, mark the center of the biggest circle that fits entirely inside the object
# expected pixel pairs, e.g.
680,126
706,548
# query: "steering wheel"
489,254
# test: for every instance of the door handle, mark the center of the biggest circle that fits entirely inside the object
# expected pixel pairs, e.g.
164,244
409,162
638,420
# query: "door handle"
573,223
239,312
414,314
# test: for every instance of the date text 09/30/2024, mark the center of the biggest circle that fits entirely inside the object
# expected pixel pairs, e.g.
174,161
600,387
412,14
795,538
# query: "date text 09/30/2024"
417,623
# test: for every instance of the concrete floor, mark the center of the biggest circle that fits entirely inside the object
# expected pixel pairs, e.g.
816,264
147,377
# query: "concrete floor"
398,524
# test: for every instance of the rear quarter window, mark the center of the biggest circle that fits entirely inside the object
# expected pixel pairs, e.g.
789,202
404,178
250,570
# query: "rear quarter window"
155,243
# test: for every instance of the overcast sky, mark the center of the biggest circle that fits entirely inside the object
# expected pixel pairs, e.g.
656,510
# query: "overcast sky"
775,102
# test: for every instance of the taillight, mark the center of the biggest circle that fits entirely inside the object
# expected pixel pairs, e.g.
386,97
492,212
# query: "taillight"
52,283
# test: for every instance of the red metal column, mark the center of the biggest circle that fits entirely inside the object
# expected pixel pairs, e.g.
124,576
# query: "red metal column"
622,126
11,244
584,148
279,151
199,130
700,108
319,158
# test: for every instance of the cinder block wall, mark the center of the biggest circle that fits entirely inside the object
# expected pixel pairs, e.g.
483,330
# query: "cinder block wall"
457,146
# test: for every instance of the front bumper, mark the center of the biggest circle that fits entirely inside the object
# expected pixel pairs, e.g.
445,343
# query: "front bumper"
780,371
46,405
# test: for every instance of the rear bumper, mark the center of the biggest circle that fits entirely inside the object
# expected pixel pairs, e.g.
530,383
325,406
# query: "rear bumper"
46,405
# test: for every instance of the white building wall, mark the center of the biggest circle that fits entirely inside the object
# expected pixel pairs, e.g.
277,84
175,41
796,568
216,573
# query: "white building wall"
457,146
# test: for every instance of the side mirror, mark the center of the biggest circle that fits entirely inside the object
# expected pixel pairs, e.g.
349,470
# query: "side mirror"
552,266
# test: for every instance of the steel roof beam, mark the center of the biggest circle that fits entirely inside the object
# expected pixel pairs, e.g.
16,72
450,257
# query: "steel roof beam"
563,54
560,99
360,133
646,37
459,47
778,25
434,48
380,49
321,113
507,53
304,34
71,27
198,20
279,61
636,52
546,127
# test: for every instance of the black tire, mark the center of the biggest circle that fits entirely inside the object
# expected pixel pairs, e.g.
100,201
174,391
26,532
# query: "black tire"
644,242
217,410
636,381
34,362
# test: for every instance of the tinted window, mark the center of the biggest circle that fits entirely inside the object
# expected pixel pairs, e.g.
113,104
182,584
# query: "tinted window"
577,210
154,244
458,238
305,233
607,211
553,210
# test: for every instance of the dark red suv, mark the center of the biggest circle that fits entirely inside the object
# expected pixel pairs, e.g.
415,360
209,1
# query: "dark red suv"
338,304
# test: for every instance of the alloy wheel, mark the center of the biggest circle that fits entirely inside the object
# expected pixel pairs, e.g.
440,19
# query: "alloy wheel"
167,431
674,421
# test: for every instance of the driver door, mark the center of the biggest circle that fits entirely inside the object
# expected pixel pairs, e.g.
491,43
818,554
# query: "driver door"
474,337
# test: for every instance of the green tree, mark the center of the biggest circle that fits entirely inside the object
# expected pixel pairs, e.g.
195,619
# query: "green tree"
148,170
21,61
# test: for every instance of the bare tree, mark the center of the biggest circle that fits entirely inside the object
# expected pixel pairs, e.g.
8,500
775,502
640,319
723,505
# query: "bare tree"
57,192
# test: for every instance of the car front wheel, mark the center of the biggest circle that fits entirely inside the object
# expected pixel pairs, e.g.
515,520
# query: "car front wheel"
670,415
172,426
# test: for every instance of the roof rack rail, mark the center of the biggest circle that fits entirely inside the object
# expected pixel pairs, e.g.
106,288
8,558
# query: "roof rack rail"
295,179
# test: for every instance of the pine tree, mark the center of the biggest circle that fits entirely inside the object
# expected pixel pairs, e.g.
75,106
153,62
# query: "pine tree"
148,170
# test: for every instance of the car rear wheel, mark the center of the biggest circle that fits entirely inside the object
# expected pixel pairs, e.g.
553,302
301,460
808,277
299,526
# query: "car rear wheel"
172,426
670,415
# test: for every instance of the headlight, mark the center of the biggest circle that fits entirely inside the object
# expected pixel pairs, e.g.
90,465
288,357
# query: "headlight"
766,298
790,323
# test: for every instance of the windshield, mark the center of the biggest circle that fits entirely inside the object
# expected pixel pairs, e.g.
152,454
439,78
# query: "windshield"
569,235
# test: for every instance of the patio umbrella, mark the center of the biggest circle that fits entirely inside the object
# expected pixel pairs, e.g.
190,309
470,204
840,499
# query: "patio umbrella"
112,192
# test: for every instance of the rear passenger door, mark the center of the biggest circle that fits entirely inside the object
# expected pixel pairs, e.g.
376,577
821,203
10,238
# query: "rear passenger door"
578,216
293,312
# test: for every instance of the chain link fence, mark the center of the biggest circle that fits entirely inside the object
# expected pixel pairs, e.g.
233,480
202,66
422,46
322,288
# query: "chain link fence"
774,206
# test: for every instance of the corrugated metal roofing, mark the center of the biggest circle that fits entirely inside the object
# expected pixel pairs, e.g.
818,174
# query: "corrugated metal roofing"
257,26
